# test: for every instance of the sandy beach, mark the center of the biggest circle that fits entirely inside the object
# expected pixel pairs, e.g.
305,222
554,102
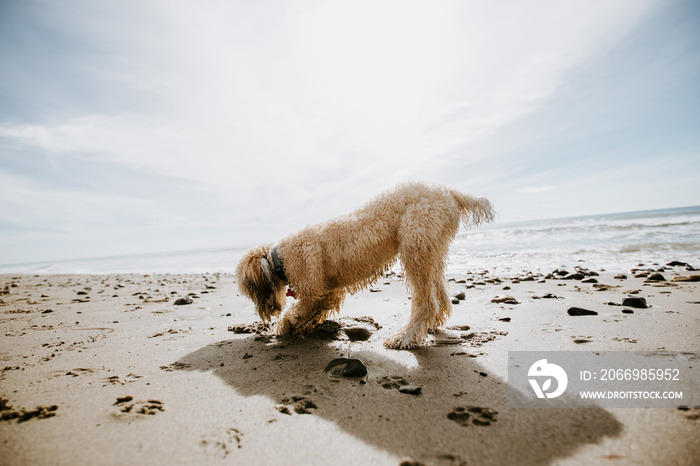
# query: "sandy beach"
110,369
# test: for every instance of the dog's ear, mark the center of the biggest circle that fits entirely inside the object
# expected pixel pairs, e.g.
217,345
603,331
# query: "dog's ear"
253,281
265,266
256,281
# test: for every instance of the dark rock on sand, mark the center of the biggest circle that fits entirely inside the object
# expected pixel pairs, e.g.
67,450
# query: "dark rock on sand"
182,301
546,296
657,277
621,276
575,276
454,301
589,280
505,300
677,264
410,389
357,333
346,367
460,295
636,302
683,278
578,311
627,311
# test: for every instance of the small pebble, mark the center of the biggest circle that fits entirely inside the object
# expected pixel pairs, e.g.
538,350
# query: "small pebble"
505,300
357,333
346,367
578,311
636,302
410,389
657,277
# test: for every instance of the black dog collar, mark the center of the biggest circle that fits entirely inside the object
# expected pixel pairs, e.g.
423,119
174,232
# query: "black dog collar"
277,263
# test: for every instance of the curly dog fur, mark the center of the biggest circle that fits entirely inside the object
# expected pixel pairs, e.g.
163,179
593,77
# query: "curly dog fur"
323,263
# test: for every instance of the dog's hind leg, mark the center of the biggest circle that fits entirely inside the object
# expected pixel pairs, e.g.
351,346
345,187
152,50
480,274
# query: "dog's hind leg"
430,302
423,248
423,315
444,303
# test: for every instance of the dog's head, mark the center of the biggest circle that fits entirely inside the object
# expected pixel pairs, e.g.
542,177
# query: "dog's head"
258,281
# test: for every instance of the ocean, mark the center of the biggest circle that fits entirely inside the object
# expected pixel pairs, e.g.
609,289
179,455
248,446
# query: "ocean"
612,242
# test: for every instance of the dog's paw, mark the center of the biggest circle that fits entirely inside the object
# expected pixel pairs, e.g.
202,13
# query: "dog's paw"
283,327
401,342
290,324
306,328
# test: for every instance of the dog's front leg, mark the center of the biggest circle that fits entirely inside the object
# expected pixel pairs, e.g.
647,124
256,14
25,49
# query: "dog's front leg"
300,318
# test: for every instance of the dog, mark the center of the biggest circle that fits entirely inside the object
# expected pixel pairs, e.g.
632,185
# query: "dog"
321,264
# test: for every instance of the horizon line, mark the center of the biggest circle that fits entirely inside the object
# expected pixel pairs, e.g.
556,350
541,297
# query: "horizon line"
233,247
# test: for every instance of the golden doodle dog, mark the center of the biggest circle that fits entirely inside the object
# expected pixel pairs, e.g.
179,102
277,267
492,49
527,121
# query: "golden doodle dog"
321,264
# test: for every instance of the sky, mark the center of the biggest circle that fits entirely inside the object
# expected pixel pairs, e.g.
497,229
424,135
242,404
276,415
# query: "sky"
160,125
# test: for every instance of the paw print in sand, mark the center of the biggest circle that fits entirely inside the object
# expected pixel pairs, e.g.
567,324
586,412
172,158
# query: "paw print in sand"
692,414
126,405
392,382
222,443
474,415
301,405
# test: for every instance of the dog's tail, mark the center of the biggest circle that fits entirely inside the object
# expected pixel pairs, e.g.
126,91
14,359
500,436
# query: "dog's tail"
475,210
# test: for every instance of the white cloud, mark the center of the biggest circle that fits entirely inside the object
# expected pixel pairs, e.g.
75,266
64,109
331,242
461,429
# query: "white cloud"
407,81
317,105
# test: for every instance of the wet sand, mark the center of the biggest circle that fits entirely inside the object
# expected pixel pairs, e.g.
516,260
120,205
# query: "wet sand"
110,370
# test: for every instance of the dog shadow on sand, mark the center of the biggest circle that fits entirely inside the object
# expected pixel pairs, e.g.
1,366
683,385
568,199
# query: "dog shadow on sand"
461,415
